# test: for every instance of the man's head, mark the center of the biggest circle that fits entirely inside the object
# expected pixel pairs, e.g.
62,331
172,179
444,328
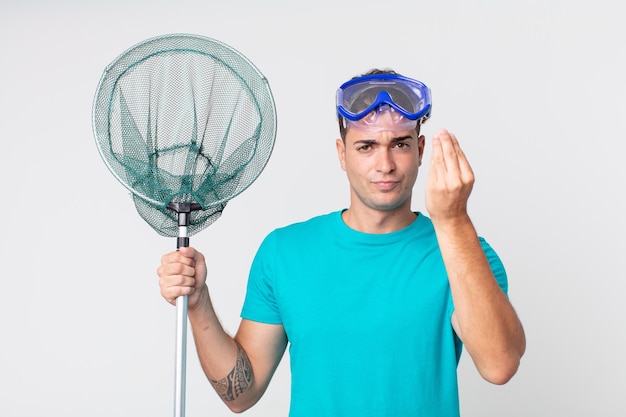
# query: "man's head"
361,100
380,148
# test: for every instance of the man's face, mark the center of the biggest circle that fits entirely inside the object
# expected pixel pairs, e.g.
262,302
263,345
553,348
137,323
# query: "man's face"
381,165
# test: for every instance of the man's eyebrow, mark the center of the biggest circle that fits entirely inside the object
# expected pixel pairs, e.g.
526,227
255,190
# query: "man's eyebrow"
365,142
401,138
375,141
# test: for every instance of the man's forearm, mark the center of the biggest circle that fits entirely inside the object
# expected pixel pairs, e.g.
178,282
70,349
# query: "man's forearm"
484,317
223,360
237,381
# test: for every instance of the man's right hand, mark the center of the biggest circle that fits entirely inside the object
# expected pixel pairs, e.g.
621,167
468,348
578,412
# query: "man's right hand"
183,272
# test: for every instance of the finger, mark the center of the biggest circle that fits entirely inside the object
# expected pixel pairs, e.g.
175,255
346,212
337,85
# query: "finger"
199,264
437,165
195,255
177,280
449,147
172,294
177,257
173,287
467,174
175,269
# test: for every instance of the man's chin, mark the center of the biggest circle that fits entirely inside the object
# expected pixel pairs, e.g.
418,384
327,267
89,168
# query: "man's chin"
388,205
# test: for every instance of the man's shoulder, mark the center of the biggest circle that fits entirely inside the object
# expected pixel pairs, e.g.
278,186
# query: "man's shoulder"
303,233
313,223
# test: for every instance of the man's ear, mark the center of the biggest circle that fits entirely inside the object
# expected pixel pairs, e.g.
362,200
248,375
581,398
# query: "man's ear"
341,152
421,143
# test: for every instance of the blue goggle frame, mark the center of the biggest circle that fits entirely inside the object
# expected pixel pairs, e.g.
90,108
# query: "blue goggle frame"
409,97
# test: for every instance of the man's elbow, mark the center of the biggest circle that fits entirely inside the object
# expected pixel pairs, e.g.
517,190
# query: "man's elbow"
503,364
237,410
238,407
501,372
244,402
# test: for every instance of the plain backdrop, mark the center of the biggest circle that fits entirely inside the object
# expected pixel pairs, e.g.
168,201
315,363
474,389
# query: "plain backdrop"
534,90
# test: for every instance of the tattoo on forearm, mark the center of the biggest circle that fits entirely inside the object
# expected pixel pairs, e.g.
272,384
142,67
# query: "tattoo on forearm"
238,380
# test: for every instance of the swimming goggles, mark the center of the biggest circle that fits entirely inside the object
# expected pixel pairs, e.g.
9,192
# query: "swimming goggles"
363,99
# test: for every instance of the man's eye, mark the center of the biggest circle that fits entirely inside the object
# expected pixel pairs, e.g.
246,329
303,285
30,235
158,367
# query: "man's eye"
365,147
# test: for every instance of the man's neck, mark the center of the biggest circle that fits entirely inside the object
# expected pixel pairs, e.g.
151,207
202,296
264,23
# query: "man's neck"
378,221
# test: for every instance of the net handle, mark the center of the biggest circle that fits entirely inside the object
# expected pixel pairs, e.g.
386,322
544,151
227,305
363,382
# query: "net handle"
181,356
183,210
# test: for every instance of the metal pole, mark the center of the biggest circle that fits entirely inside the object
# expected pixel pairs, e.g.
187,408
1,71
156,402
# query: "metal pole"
181,356
183,210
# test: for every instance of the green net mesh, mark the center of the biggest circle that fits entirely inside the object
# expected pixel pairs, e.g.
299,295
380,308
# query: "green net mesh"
184,119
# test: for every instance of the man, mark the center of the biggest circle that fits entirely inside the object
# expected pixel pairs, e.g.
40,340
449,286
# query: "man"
375,301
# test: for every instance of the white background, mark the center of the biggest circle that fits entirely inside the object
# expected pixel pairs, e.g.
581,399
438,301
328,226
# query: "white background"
534,90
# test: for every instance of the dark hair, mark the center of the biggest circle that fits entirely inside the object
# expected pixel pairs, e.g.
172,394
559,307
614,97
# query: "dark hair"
374,71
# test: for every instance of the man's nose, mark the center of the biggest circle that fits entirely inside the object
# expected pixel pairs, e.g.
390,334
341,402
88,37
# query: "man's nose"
385,162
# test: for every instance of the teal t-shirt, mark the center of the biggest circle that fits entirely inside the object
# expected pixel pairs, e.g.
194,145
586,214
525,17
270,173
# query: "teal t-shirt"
367,317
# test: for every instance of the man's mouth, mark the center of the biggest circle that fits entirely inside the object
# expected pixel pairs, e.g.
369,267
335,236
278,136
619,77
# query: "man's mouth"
385,185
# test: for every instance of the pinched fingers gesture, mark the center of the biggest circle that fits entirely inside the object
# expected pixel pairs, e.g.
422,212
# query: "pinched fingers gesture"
182,272
450,179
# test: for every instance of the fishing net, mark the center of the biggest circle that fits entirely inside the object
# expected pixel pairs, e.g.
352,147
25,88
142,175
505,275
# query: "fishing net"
185,123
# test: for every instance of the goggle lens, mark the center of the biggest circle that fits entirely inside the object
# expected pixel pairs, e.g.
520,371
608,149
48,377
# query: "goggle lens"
359,97
392,120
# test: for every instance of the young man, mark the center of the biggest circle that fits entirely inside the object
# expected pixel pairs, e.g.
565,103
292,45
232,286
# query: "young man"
375,301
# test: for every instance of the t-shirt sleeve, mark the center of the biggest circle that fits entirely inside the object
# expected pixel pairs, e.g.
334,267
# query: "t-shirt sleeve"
260,303
497,267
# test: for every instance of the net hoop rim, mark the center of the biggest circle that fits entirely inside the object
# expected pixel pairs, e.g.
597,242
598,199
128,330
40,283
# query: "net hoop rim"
106,75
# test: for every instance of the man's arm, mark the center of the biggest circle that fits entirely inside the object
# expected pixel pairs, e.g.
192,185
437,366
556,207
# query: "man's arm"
239,368
484,319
